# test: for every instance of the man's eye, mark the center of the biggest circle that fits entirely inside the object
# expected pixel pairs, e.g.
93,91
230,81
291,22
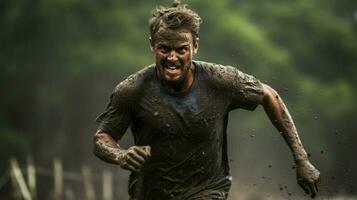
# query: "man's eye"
164,49
181,50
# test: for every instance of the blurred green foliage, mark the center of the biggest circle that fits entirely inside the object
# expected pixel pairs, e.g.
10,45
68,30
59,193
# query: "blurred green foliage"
13,144
59,60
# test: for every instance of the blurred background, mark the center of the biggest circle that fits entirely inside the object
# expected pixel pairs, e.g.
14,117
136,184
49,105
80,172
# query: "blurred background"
61,59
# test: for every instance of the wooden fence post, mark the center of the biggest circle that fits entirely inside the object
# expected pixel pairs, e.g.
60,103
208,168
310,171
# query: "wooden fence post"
107,185
31,177
88,183
16,171
58,179
16,193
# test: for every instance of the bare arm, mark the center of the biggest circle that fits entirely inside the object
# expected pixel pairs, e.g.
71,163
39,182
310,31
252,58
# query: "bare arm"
107,149
307,175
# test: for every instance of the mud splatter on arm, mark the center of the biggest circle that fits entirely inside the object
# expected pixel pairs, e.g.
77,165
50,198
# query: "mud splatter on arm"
106,148
112,124
307,175
280,117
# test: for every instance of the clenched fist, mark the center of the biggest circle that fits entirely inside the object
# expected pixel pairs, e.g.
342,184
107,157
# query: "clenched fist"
133,158
308,178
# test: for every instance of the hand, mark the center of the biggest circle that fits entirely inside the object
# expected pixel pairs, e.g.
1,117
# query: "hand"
133,158
308,178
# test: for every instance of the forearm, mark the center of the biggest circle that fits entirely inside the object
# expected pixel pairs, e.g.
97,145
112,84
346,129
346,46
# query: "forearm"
106,148
280,117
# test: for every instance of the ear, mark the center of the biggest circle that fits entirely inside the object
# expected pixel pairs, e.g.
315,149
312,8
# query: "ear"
151,44
195,45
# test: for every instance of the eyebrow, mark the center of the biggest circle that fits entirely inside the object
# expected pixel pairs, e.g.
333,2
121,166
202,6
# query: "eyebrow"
184,44
176,46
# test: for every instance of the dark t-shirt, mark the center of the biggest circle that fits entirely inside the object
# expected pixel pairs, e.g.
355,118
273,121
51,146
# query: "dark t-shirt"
186,131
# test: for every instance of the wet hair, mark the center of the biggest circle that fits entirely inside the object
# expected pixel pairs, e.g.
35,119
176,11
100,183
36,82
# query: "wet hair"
176,17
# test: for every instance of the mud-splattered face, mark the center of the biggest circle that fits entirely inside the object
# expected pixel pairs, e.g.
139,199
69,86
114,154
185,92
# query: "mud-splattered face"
173,52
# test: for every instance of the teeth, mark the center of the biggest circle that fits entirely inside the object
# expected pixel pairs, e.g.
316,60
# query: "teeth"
172,67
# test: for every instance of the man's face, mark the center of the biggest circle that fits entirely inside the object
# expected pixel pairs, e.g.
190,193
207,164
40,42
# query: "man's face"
173,52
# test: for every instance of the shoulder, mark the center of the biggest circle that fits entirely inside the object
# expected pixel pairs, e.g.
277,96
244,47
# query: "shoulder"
134,83
208,67
221,74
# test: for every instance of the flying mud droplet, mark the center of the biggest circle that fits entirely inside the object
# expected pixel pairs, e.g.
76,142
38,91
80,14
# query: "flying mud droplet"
156,113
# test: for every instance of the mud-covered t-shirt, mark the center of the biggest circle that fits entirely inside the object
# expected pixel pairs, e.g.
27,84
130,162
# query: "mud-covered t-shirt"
186,131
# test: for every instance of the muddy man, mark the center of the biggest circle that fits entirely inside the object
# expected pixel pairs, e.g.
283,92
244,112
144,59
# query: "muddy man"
178,110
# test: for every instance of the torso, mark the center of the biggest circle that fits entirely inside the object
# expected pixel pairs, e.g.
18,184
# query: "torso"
186,132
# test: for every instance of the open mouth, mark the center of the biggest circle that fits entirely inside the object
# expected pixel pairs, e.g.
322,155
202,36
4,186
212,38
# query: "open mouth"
172,69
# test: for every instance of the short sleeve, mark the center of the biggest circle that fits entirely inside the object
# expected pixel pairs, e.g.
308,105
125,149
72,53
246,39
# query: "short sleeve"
246,90
117,116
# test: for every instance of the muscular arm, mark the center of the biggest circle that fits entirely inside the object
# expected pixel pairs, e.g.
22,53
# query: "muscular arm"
107,149
279,115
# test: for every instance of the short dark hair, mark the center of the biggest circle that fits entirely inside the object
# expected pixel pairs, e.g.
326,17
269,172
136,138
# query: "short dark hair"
176,17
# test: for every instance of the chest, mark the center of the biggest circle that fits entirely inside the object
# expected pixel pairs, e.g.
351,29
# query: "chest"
194,116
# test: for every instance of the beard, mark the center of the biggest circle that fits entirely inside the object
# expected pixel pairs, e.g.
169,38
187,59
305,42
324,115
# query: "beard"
166,67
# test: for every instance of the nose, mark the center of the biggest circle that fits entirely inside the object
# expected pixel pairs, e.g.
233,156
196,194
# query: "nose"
172,56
